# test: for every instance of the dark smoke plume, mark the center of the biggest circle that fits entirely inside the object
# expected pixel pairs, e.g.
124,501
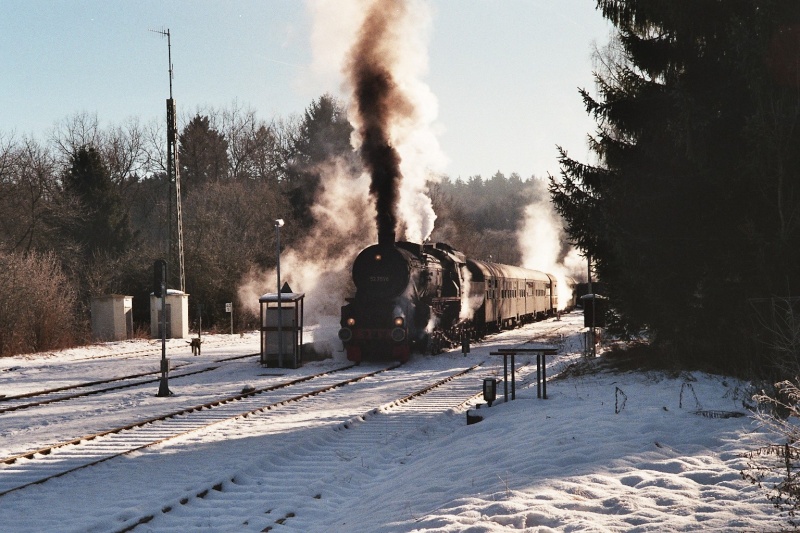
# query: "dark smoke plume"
378,101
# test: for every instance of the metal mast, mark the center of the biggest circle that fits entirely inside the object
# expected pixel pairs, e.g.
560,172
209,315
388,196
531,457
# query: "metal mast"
173,169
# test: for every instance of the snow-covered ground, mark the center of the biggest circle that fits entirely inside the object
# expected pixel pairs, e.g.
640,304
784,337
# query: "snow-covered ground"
604,452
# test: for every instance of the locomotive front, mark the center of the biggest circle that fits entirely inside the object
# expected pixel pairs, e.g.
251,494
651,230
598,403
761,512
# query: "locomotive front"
375,322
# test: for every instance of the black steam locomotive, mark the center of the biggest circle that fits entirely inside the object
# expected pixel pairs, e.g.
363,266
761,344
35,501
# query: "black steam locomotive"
412,297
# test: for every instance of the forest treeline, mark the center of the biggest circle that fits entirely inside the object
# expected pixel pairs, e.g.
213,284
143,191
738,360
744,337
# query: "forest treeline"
86,211
689,210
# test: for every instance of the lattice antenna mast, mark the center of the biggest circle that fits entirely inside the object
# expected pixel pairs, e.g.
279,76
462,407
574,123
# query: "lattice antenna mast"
173,169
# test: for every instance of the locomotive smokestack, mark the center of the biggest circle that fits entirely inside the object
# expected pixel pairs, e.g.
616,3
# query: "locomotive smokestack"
378,101
386,237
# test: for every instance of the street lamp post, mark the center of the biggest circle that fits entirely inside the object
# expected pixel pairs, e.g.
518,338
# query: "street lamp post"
278,226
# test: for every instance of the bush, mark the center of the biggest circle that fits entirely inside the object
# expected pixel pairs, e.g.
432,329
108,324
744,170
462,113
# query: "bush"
774,466
37,304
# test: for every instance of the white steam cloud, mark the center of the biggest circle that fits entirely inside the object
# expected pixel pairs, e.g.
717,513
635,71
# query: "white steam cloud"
415,137
344,222
319,265
470,300
541,241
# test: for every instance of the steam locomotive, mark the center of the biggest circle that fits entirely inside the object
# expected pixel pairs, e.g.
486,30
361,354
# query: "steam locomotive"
411,297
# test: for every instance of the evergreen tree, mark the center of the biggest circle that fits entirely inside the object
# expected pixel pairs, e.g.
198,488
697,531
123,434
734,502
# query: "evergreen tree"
202,154
96,219
322,135
692,137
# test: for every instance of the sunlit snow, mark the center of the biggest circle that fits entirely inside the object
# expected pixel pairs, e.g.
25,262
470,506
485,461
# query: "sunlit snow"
604,452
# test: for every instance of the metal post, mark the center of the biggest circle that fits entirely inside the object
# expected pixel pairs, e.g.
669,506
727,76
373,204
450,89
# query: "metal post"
173,169
278,225
538,375
594,296
513,379
544,376
163,386
505,377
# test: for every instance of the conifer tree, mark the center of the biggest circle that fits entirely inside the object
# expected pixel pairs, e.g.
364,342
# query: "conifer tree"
323,134
692,138
203,154
98,221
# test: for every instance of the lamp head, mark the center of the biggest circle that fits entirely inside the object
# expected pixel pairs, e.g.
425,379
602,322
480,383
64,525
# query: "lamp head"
279,223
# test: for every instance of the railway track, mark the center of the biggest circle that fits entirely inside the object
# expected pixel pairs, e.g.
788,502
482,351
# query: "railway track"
290,466
90,388
37,466
349,394
362,436
155,348
551,335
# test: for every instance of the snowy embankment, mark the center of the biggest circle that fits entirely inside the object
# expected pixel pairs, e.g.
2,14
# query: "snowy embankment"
634,451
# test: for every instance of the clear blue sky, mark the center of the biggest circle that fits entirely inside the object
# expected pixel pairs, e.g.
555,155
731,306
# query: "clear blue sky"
505,72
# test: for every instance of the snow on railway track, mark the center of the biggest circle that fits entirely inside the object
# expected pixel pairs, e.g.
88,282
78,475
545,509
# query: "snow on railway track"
275,416
45,397
154,347
274,468
33,467
328,458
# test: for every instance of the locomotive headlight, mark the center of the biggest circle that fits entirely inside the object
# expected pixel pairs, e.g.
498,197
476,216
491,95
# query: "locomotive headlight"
351,322
399,321
378,257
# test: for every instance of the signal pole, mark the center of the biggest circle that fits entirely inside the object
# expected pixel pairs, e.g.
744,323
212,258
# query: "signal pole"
589,288
173,169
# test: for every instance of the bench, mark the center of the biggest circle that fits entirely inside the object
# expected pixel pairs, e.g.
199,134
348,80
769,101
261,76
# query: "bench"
541,368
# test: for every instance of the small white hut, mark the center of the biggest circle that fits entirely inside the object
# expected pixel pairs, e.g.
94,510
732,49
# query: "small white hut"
112,317
177,303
